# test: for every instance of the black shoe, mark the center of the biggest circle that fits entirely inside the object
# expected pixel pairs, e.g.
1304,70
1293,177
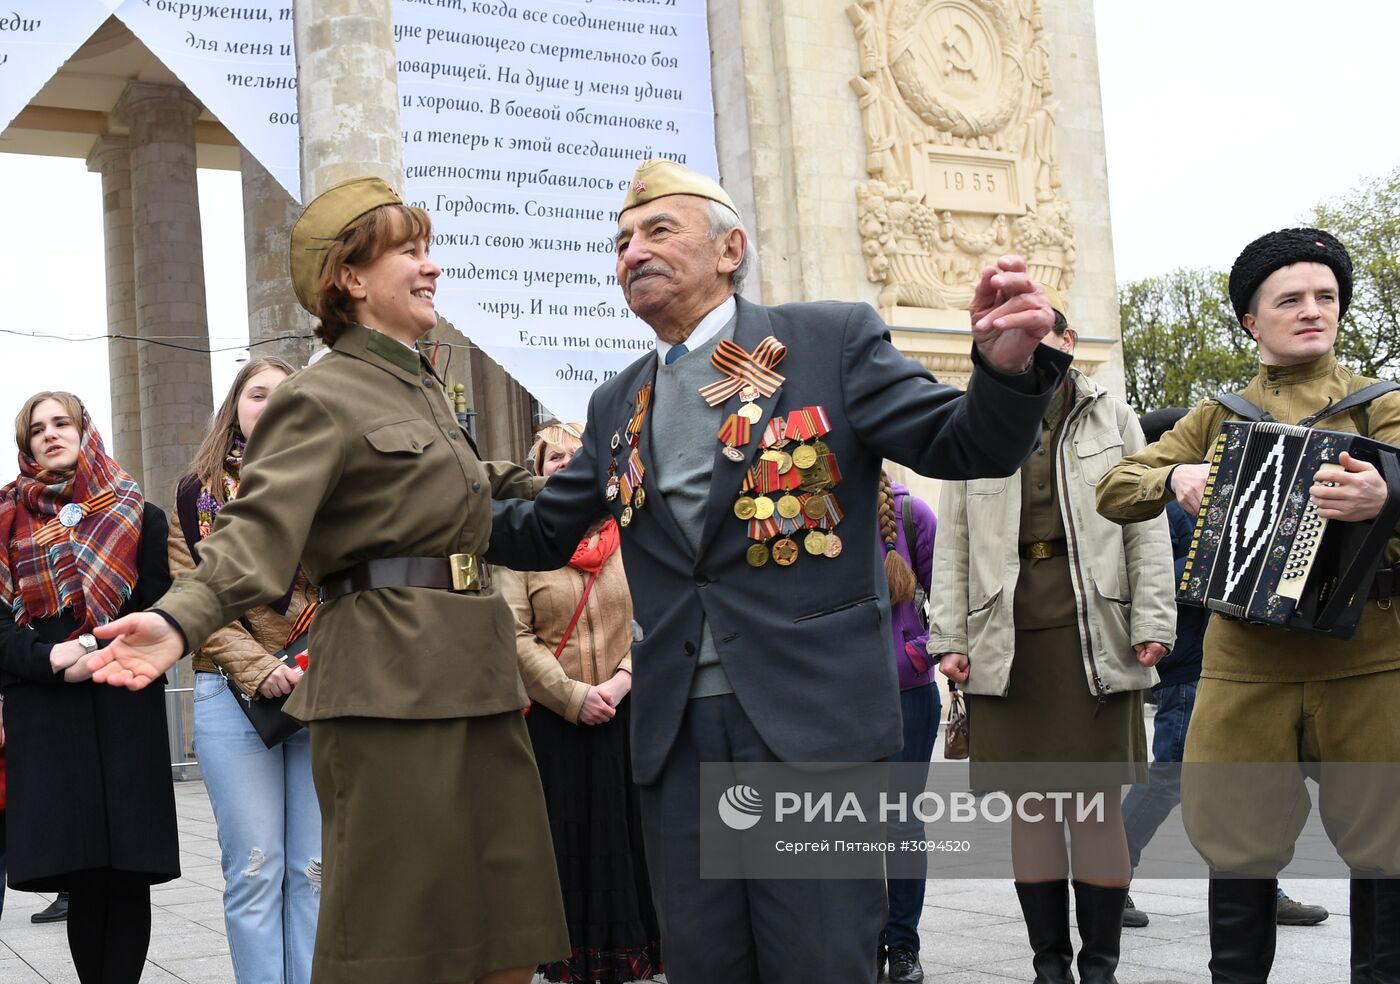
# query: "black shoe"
1045,906
879,960
1099,912
1292,913
1243,929
1133,917
56,912
904,965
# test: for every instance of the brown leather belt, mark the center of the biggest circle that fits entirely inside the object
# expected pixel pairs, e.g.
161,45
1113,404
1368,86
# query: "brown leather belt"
1044,549
459,572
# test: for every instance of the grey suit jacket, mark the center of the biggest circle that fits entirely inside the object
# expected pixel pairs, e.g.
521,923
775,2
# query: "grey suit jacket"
807,648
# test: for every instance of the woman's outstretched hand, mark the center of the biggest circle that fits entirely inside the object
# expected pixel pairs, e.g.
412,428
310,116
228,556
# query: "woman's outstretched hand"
143,647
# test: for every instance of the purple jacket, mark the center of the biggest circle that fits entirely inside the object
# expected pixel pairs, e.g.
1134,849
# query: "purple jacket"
905,620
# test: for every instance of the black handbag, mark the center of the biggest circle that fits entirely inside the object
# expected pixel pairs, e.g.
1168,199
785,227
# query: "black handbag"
265,714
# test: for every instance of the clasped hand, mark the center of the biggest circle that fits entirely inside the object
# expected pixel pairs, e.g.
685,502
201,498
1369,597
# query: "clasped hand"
1010,315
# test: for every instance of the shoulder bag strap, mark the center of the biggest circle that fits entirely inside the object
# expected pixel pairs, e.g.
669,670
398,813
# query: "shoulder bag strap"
1351,401
1241,407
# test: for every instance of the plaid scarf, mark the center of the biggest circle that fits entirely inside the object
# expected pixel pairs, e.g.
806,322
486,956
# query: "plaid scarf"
46,567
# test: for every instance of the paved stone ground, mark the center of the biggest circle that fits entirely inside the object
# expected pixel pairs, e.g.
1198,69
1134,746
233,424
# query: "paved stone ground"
971,929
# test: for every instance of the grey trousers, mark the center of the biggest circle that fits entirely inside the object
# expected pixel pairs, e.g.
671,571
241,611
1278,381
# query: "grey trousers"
749,931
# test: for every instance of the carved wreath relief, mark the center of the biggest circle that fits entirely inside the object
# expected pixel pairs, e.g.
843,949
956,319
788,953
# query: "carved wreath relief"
960,138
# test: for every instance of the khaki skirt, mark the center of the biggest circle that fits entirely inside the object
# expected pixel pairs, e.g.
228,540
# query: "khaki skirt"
437,860
1049,718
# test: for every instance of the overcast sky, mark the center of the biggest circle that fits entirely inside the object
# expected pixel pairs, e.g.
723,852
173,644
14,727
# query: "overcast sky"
1223,120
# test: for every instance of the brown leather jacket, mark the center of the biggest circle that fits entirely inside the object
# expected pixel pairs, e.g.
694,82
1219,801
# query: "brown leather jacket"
246,658
601,643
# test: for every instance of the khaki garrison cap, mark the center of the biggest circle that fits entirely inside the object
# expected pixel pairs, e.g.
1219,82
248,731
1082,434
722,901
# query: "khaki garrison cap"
660,177
324,220
1057,303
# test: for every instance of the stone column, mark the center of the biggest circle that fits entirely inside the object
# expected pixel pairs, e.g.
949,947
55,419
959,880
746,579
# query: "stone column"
176,398
273,309
111,157
347,93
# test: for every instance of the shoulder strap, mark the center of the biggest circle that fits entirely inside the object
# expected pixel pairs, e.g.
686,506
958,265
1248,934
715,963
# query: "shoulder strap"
1351,401
187,512
906,513
1241,407
564,639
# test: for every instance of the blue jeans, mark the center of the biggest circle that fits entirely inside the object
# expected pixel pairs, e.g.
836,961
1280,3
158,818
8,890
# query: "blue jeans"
269,834
1148,804
921,708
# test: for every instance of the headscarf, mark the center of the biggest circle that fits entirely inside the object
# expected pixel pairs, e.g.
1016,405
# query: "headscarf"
46,565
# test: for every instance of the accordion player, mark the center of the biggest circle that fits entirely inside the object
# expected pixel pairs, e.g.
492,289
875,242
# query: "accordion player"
1260,551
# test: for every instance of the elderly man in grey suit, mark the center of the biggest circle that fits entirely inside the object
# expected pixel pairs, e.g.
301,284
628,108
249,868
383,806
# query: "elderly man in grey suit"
742,460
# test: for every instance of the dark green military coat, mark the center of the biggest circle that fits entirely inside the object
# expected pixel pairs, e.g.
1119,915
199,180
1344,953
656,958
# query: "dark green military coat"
355,458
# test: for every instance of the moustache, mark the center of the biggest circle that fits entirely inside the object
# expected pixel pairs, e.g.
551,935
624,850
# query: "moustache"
646,269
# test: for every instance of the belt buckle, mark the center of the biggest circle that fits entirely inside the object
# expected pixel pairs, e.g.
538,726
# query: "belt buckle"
466,572
1040,550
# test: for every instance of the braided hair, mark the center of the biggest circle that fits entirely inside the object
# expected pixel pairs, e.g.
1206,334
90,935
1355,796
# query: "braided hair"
897,569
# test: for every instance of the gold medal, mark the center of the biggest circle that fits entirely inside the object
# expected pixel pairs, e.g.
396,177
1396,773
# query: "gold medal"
833,546
789,507
815,508
819,446
784,461
639,497
785,552
815,543
750,412
804,456
626,516
745,508
757,555
763,507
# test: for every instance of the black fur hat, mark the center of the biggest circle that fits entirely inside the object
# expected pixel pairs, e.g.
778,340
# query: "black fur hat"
1275,250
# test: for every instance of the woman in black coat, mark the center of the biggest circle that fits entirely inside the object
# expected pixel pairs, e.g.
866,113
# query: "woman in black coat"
91,805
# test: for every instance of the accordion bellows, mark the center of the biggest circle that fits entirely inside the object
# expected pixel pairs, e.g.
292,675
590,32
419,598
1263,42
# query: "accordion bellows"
1260,552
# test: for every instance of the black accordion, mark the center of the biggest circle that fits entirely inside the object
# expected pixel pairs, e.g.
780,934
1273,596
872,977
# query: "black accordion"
1260,551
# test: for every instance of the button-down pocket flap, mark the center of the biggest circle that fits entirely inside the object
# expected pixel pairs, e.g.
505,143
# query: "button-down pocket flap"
404,437
986,486
1092,444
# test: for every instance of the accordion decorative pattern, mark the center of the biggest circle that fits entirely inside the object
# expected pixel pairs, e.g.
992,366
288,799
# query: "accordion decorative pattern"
1260,551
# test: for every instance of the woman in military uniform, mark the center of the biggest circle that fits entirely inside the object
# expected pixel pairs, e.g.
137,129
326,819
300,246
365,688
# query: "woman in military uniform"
1050,619
438,864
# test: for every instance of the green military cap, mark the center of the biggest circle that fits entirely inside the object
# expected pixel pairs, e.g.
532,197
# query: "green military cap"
1057,302
324,220
660,177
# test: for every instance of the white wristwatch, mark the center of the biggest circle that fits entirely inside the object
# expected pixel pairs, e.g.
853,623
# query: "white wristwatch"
89,643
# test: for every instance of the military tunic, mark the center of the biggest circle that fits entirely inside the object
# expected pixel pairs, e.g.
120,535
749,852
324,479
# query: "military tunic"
427,785
1269,695
1047,715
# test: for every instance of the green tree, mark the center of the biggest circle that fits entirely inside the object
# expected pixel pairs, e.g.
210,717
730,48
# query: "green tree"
1367,220
1181,342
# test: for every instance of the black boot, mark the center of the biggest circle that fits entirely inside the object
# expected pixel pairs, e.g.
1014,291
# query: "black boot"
1099,912
1385,932
1243,929
1363,928
1045,906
